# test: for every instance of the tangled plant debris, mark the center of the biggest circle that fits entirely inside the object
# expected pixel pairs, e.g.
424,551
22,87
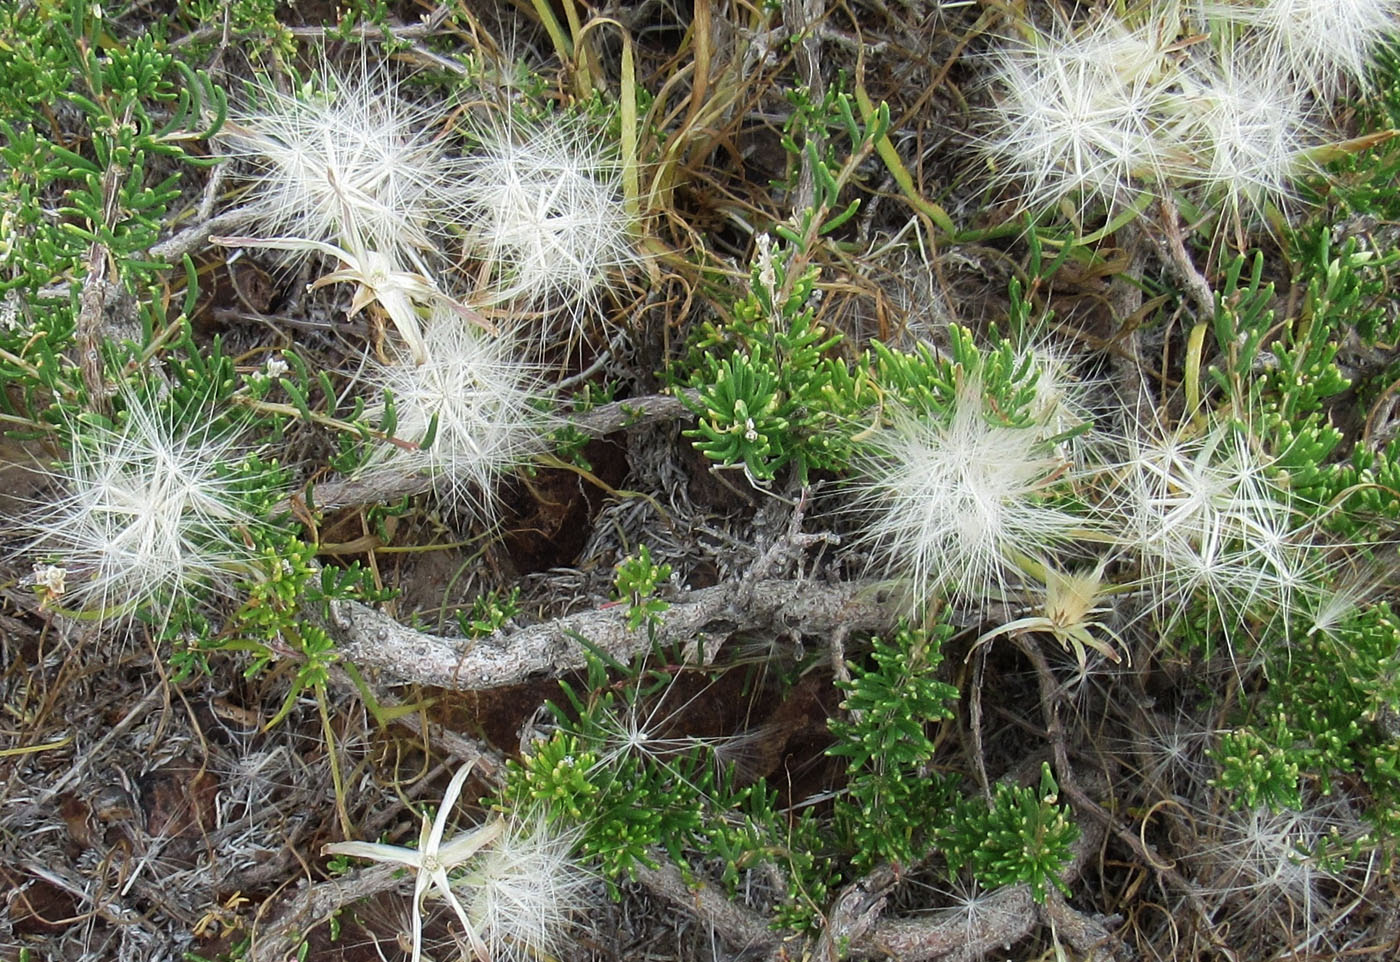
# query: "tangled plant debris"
709,482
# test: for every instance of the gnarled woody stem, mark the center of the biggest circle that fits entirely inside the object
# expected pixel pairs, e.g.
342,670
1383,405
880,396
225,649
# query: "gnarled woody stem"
707,618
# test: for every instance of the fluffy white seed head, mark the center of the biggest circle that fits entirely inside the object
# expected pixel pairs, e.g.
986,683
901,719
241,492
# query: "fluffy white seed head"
1208,520
1244,128
1064,407
543,210
483,399
1074,113
1322,42
951,503
524,891
346,155
151,510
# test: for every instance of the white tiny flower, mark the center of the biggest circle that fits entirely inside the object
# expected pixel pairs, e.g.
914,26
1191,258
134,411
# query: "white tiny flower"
9,311
274,368
51,578
767,272
8,235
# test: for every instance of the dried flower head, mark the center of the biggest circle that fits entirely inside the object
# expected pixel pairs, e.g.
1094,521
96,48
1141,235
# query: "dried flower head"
1207,519
1322,42
480,402
543,209
1280,872
1245,129
1074,113
344,160
524,891
154,506
955,502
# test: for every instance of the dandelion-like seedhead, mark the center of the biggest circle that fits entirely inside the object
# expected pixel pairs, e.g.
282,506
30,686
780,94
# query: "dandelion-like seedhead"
1064,407
344,160
954,501
1245,128
484,403
1074,113
524,891
1207,520
1278,871
1322,42
982,913
1101,112
543,210
154,508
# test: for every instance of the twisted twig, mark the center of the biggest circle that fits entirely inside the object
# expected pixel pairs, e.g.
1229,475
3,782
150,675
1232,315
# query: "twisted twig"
707,617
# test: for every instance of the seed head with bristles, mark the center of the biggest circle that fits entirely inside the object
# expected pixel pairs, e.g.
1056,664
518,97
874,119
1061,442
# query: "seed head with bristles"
1245,128
345,155
153,509
1207,520
1322,42
1280,872
484,403
954,502
543,209
1074,113
525,890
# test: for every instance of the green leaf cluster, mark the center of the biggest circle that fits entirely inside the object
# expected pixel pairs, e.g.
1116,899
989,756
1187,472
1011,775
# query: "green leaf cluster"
1327,719
1023,836
638,577
110,177
1283,376
772,392
610,767
489,613
272,622
892,798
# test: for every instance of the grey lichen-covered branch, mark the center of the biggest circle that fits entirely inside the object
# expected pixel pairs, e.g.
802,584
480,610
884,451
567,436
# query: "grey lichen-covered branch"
739,927
705,618
276,939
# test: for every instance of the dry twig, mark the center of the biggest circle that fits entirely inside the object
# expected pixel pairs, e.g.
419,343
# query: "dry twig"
710,616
